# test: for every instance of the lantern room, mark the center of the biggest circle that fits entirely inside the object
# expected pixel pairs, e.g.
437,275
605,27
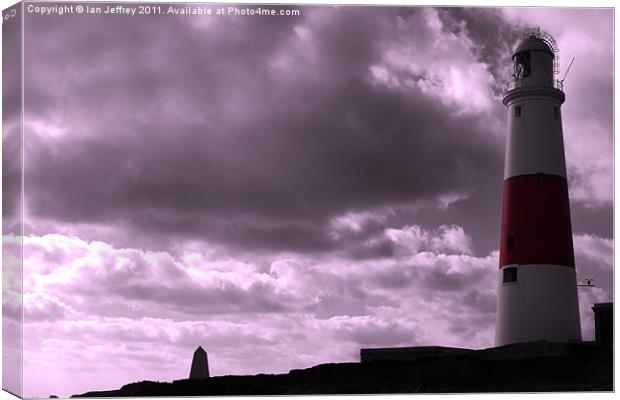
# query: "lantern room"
535,61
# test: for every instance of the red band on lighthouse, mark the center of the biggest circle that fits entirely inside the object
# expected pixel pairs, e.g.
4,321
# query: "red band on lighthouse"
536,227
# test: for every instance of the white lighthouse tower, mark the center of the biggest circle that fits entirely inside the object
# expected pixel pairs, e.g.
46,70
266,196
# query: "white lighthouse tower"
537,288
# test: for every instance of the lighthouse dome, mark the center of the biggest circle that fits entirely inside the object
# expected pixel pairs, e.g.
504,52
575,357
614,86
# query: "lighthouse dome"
533,43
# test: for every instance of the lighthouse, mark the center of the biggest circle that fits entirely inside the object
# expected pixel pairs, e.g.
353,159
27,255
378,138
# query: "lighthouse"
537,285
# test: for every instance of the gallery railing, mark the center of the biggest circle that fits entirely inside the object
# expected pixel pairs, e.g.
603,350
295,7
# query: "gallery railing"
531,82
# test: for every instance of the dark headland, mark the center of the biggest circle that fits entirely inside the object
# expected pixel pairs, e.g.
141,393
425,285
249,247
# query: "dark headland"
525,367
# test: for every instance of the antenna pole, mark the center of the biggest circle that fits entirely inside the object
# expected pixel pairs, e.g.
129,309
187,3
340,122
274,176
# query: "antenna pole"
568,69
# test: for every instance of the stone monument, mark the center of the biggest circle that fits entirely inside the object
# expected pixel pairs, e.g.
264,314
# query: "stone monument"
200,365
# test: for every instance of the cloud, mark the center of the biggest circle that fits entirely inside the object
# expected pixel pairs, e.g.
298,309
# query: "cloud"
359,223
155,307
43,306
90,295
238,160
413,239
336,118
492,39
365,331
440,63
595,248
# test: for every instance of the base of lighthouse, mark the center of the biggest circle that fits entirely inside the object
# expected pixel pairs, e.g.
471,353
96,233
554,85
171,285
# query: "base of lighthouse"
549,311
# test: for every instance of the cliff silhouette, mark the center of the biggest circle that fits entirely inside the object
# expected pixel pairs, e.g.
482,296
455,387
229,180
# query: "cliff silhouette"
525,367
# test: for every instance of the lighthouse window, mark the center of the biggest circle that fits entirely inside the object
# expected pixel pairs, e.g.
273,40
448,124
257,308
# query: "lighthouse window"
510,275
510,242
522,66
518,112
556,112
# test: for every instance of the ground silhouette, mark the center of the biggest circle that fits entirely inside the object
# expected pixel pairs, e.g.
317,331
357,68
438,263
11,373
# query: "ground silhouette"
528,367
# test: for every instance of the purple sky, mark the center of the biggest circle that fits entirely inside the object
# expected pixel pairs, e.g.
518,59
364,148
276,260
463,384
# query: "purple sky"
282,190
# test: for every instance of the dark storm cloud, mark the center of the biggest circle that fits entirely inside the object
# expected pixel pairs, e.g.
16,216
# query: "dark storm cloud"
11,175
11,133
395,280
182,131
377,249
11,67
494,40
587,218
258,298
